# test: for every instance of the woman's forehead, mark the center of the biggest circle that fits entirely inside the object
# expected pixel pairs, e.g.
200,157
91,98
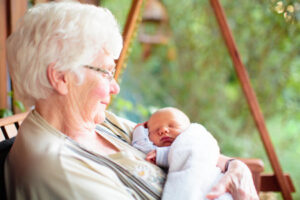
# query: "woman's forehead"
104,59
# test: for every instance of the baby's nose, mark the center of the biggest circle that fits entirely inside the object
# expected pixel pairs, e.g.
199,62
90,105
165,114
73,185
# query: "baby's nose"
163,130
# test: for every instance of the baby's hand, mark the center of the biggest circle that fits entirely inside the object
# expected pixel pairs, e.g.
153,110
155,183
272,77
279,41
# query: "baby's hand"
151,157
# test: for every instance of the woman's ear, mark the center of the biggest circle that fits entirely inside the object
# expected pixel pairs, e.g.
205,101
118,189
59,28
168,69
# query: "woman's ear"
57,79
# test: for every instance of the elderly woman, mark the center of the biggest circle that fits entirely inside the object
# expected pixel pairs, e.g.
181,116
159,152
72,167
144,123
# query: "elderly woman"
61,60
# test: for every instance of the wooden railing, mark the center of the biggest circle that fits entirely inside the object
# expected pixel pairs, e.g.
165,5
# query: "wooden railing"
10,125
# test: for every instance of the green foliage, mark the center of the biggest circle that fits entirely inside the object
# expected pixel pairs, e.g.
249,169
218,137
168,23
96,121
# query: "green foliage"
200,78
5,112
128,109
19,105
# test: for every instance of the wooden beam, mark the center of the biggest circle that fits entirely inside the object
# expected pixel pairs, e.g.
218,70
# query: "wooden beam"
10,125
250,96
269,183
40,1
3,67
128,32
17,10
12,119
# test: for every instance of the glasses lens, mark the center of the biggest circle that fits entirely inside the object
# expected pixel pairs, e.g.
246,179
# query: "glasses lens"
108,74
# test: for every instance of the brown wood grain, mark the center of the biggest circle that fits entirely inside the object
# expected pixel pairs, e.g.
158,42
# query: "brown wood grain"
40,1
128,32
17,10
9,125
269,183
3,68
12,119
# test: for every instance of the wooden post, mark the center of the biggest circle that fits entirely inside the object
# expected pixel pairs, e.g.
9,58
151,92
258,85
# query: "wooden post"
251,97
131,22
40,1
3,68
16,11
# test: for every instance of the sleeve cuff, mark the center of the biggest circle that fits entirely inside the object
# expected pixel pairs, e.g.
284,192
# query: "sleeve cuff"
162,156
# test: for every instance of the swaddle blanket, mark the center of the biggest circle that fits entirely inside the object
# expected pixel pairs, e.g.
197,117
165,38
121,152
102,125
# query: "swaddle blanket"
192,165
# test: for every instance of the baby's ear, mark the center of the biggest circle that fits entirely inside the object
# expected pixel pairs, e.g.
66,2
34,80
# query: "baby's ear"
146,124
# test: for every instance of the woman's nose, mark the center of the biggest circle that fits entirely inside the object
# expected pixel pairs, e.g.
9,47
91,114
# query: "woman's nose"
163,130
114,87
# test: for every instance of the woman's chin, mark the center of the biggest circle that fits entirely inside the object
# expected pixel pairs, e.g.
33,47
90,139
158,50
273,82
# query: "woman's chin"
99,118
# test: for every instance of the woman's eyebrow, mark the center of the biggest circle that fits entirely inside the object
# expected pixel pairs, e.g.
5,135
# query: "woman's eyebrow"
109,66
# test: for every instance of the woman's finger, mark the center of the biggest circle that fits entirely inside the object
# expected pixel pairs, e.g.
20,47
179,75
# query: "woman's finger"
242,186
237,181
220,188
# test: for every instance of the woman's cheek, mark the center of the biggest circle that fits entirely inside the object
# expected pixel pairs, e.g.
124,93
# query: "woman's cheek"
101,99
101,91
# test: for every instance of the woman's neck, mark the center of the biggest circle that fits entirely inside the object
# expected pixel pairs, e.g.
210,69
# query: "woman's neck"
65,118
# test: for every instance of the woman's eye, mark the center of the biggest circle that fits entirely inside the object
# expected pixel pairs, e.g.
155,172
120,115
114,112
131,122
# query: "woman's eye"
105,75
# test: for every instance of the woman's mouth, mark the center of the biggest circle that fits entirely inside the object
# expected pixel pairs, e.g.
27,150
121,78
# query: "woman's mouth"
104,103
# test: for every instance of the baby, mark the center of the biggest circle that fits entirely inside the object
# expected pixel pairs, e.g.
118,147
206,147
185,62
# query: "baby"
188,149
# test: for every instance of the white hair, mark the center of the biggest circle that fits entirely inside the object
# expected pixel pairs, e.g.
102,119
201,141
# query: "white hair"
67,34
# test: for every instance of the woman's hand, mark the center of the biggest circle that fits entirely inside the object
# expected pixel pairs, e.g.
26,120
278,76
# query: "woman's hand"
237,181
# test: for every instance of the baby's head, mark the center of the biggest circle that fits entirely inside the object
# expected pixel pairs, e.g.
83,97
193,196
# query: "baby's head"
165,125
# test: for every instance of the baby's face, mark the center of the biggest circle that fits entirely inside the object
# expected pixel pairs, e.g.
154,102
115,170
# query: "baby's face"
165,125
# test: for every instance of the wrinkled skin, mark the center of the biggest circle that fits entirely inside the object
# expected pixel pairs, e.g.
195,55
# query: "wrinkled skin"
237,181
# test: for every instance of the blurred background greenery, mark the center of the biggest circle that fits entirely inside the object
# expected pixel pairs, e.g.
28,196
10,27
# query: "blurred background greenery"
194,72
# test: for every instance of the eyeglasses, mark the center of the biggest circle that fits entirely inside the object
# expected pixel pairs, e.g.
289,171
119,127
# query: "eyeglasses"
107,74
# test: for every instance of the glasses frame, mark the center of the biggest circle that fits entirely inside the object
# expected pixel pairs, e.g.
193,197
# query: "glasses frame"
110,75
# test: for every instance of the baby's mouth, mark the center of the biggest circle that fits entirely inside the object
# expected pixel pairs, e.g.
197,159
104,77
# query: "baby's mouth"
166,140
